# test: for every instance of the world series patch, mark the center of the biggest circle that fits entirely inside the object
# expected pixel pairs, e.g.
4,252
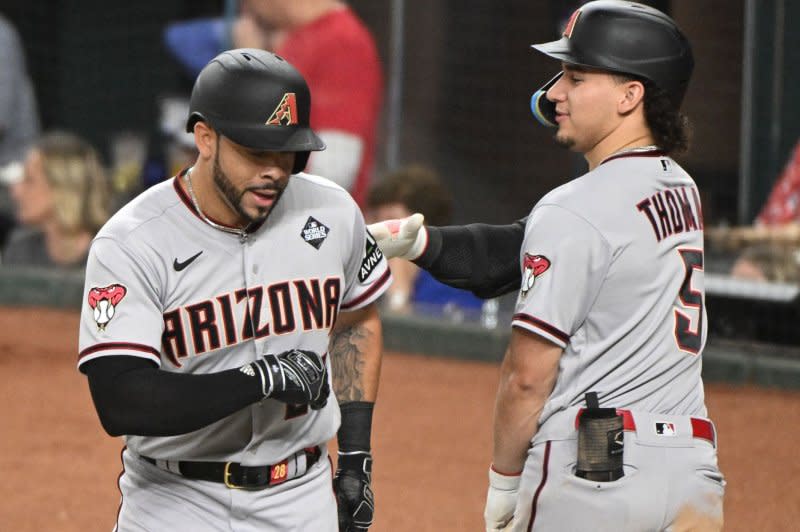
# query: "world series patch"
372,257
314,232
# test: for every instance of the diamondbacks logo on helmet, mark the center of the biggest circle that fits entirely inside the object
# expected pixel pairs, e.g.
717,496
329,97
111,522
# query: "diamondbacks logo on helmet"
285,114
571,24
532,267
104,302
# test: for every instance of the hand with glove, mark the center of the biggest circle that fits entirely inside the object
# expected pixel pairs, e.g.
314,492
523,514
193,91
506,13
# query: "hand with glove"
354,497
296,377
351,482
405,238
501,500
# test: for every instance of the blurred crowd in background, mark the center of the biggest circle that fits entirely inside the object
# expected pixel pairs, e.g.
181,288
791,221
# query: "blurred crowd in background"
59,184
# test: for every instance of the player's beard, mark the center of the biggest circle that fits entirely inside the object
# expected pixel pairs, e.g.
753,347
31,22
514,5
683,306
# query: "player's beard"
564,141
233,196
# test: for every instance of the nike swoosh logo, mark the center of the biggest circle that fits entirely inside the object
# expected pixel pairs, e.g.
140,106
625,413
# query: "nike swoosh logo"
179,266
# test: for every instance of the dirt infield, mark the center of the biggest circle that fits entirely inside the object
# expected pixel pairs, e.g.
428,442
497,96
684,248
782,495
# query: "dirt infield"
58,469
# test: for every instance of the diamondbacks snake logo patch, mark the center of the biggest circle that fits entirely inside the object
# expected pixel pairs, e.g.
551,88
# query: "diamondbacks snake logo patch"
104,303
532,267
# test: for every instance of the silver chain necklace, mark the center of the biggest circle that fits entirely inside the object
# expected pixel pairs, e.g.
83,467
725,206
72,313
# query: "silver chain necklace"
241,233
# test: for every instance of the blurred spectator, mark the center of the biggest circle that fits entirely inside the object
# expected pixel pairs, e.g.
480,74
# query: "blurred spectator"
336,54
126,170
61,202
402,193
133,168
179,148
769,250
19,119
783,204
769,262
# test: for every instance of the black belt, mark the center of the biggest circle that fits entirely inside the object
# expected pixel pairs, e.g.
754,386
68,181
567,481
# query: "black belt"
238,476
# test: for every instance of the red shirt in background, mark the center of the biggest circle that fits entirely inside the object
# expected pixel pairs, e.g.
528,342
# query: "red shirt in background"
338,58
783,204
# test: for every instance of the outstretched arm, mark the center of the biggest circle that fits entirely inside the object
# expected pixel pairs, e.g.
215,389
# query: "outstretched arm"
478,257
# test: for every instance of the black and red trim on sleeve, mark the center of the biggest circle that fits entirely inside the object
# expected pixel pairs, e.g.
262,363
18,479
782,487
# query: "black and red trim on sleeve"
542,325
120,348
369,292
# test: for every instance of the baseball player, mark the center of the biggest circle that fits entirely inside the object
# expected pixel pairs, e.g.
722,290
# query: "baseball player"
215,308
600,421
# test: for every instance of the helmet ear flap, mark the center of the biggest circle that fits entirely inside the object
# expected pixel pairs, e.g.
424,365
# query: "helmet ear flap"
194,118
300,161
543,109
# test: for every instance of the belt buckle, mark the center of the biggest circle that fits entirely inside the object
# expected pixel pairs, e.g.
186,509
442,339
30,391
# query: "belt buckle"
226,477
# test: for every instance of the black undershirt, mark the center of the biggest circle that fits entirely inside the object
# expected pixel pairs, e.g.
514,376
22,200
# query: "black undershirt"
133,397
477,257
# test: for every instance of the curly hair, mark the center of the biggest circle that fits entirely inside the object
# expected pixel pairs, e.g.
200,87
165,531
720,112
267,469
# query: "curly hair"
670,128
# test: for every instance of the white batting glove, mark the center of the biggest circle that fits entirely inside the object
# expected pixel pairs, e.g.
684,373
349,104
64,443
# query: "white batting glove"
405,238
501,500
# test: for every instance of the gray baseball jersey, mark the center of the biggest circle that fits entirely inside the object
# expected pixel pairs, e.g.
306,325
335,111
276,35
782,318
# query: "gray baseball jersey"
612,271
164,285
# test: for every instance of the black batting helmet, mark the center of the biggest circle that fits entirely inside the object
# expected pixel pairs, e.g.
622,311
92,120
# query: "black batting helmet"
257,100
621,37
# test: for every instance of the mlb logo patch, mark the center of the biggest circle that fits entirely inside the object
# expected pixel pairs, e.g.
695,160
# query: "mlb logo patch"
314,232
665,429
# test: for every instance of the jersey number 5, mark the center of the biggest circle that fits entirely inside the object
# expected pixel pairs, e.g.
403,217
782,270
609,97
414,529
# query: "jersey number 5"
690,338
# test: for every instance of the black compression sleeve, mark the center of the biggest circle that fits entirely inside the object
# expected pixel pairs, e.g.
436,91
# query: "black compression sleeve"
356,428
478,257
134,397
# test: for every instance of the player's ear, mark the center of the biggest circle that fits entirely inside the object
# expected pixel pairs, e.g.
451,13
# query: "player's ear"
204,139
631,94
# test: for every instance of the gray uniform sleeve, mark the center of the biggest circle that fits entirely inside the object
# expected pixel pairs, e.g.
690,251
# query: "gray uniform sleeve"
563,261
366,270
120,312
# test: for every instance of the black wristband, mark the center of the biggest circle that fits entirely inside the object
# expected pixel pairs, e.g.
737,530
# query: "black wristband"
356,429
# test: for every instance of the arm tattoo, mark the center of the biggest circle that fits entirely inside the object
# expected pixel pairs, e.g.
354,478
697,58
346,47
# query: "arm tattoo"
347,362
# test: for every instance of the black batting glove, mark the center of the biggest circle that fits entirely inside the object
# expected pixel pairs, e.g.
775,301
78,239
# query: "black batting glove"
296,377
354,498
